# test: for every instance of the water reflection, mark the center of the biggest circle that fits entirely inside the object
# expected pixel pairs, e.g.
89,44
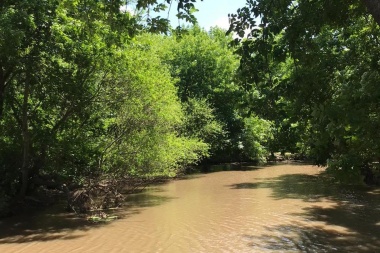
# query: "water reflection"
54,224
41,227
145,199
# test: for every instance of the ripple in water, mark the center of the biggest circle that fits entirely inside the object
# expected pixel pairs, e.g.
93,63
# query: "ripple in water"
283,208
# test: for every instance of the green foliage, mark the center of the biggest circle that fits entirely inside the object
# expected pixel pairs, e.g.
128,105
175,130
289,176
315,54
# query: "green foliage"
144,139
315,64
52,73
185,11
201,123
257,133
205,68
79,96
346,169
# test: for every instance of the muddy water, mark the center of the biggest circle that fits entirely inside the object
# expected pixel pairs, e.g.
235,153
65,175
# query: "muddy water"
284,208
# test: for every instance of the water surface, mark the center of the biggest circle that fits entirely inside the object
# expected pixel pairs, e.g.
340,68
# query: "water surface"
283,208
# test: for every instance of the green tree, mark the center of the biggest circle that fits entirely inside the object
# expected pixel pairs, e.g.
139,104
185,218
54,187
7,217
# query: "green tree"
205,68
201,123
57,59
144,135
330,53
257,133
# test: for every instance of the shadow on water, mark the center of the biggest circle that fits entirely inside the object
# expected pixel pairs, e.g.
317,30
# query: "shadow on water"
54,223
354,211
189,176
237,166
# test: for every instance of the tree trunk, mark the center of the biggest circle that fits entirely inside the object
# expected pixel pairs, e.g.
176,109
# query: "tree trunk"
25,165
373,7
2,91
6,76
26,140
1,98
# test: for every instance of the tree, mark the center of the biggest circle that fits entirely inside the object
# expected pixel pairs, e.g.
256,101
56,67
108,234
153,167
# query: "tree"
325,89
256,135
201,123
145,118
205,68
59,60
56,62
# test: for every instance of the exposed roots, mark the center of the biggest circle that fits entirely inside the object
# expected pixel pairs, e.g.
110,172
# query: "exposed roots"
102,194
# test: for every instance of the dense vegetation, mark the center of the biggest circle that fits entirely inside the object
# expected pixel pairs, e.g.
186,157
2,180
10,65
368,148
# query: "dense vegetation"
89,90
313,68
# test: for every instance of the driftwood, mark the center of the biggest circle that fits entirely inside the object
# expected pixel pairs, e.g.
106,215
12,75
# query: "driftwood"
78,200
101,194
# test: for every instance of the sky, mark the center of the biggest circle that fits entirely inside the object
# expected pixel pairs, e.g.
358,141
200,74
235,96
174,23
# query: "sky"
212,12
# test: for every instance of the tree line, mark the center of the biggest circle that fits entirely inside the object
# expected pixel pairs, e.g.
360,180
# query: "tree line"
90,90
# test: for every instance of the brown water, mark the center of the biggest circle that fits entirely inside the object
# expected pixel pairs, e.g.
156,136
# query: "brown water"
284,208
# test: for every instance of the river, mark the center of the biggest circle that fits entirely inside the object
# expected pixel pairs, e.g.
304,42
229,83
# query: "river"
282,208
